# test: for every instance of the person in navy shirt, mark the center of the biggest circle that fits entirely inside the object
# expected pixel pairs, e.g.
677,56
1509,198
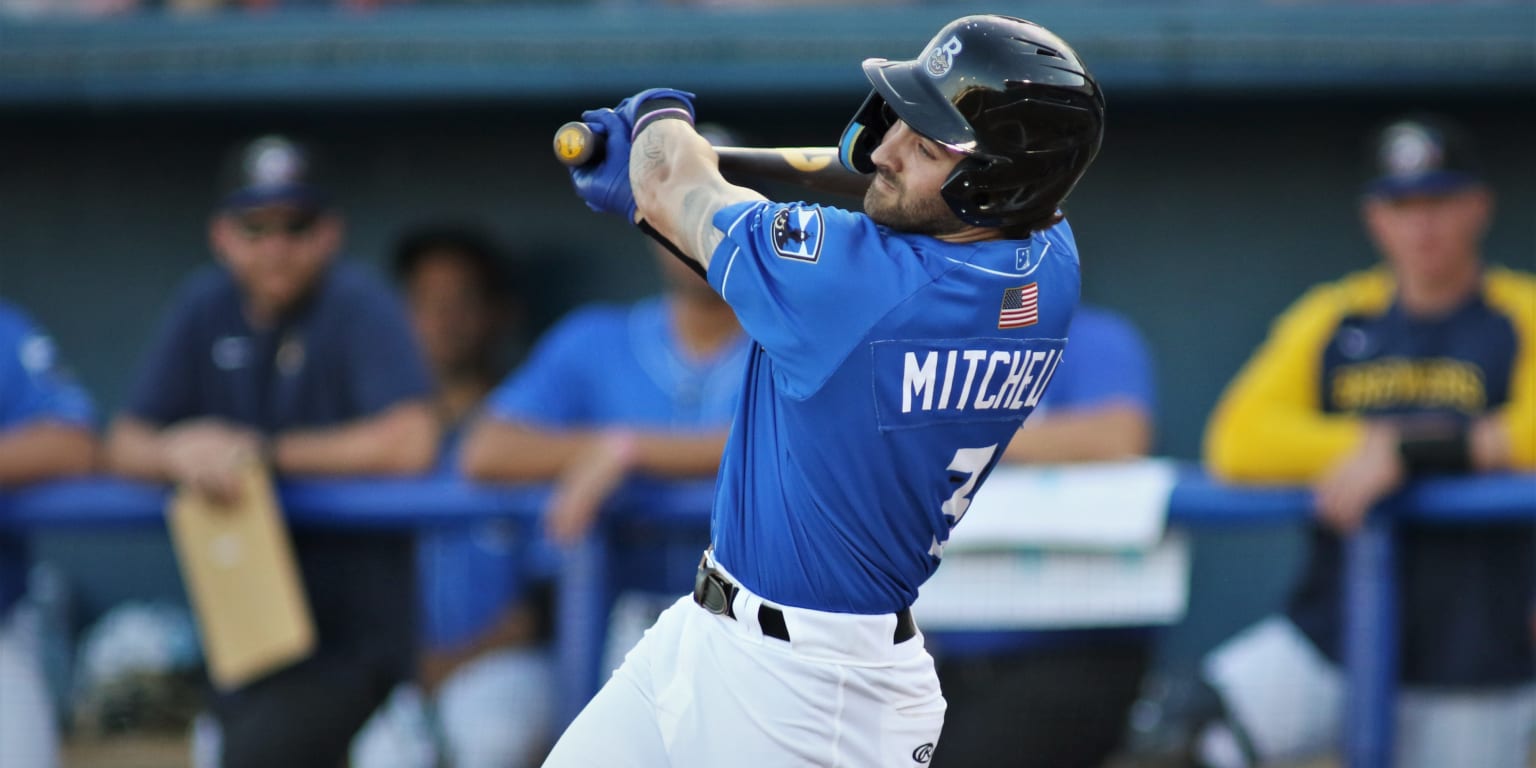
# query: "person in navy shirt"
46,432
285,354
895,352
1059,697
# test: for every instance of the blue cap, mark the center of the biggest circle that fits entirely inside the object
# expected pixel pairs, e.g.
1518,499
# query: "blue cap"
272,170
1422,156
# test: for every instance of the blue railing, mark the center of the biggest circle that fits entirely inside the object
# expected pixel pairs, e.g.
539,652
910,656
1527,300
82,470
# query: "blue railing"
585,581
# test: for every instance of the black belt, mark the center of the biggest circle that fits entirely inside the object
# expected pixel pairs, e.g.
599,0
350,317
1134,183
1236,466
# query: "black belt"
716,593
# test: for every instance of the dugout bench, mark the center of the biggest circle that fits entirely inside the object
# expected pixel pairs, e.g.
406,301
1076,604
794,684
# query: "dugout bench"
585,582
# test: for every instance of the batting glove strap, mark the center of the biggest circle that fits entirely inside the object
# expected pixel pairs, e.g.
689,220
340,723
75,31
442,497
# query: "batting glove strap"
664,108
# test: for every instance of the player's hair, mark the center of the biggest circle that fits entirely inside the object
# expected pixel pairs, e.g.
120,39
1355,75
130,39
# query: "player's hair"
469,245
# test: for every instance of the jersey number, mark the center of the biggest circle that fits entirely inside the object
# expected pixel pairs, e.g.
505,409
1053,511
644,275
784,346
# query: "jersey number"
970,462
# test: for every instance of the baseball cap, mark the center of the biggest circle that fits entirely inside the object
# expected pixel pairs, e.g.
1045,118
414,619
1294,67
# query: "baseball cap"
1422,155
271,170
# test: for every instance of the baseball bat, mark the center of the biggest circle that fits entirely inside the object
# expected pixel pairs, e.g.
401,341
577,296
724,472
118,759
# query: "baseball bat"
814,168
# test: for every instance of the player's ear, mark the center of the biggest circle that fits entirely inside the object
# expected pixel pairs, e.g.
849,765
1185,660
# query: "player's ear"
331,230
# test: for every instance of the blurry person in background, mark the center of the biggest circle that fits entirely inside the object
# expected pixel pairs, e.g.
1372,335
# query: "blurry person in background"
283,353
1058,697
46,432
485,663
464,307
612,392
1425,365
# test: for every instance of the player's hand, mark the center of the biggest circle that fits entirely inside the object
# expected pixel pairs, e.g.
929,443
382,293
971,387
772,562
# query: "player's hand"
581,491
1489,444
629,109
604,185
208,454
1346,495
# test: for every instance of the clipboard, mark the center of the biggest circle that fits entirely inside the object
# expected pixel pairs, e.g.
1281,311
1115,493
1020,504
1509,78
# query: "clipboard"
242,578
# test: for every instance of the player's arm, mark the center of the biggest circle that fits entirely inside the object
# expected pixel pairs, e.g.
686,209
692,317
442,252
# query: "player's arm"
1506,438
45,449
1269,425
1115,430
678,189
402,439
134,449
497,449
395,431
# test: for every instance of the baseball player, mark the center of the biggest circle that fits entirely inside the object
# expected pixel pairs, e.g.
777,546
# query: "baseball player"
46,431
894,354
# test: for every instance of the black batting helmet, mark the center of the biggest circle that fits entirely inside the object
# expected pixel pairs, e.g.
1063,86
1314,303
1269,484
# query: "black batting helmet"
1010,95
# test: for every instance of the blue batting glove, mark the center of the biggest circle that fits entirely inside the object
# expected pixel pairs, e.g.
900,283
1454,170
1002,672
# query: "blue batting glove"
637,114
604,186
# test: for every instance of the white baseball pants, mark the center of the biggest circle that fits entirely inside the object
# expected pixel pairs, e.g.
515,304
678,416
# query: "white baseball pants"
707,690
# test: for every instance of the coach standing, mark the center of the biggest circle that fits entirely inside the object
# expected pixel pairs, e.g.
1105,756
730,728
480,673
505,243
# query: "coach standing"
282,353
1422,367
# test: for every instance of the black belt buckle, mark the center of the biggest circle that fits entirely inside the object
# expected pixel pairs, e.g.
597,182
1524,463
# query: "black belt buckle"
712,592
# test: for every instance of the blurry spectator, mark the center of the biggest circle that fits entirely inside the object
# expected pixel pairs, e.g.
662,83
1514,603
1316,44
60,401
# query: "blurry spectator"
1422,367
611,392
1058,698
45,432
485,659
463,306
284,354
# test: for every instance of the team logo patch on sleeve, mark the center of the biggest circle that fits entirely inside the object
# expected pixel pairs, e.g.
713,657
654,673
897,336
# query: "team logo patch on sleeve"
797,233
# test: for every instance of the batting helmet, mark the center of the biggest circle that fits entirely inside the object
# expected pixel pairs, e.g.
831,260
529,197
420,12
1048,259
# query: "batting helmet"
1010,95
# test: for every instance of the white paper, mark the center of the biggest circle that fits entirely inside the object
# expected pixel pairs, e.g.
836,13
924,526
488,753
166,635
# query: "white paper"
1112,506
1036,589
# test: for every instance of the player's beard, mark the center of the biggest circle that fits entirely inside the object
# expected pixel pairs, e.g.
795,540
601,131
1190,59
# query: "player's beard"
893,208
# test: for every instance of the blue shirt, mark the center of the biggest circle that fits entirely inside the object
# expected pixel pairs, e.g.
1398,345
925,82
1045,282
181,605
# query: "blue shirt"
1109,363
343,353
33,388
887,373
468,575
599,366
605,365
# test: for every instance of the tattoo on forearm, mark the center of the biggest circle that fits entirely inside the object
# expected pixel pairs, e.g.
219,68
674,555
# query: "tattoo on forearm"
652,156
696,224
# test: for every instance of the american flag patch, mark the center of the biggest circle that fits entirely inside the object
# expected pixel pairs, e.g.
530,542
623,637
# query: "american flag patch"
1021,307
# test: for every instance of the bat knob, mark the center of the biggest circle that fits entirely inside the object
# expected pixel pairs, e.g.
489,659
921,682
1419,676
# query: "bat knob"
575,144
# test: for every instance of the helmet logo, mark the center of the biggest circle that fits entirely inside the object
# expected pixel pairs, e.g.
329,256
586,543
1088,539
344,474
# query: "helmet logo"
942,57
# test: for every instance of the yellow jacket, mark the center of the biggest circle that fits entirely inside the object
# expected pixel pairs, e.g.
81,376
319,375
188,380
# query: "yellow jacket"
1271,424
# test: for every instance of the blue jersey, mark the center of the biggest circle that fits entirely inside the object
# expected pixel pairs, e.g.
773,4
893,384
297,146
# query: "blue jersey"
33,387
887,374
1109,364
621,366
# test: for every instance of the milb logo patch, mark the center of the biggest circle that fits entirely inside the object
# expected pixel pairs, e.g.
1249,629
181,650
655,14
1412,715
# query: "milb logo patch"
797,233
